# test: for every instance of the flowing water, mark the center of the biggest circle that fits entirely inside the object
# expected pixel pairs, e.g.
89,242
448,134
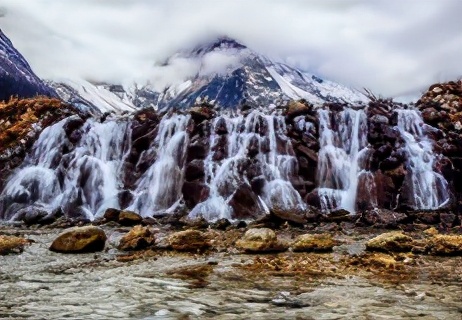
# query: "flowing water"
429,189
264,135
342,157
159,189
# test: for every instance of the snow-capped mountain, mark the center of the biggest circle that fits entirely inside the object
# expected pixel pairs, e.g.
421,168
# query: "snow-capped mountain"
224,71
16,76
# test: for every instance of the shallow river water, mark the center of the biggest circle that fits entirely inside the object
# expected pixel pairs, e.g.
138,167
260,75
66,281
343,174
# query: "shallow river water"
39,284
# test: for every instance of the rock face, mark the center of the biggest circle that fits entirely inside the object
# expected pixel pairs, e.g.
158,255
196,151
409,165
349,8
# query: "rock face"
313,242
80,240
21,121
10,244
16,76
260,240
394,241
188,240
441,108
137,238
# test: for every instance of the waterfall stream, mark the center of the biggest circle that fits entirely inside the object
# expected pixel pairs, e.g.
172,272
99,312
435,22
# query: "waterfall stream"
342,155
265,136
429,189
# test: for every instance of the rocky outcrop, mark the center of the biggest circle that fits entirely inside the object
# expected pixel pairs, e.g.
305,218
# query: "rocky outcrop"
441,108
21,121
443,244
80,240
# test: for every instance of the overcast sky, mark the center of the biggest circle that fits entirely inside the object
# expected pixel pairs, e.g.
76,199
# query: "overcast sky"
395,48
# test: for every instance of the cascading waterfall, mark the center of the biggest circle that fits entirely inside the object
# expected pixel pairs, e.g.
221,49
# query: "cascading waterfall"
79,180
429,189
159,189
275,160
342,157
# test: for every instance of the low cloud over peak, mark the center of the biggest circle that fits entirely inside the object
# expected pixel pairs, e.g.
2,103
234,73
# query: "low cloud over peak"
392,47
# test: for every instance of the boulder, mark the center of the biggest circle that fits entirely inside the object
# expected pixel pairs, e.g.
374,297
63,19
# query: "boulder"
383,218
137,238
79,240
257,240
290,215
443,244
245,203
11,244
194,170
129,218
394,241
313,242
188,240
111,214
201,113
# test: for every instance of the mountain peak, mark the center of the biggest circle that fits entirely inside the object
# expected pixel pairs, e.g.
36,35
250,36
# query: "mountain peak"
222,42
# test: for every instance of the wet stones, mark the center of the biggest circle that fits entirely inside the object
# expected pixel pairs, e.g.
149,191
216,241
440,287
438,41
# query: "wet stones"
245,203
383,218
314,242
260,240
80,240
188,240
11,244
297,108
123,217
137,238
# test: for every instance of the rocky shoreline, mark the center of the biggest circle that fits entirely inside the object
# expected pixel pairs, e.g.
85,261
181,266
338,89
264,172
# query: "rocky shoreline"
284,263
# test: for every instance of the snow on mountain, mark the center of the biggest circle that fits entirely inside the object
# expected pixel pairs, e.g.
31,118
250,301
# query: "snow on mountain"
224,72
16,76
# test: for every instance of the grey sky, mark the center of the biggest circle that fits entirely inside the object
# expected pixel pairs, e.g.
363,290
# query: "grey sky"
395,48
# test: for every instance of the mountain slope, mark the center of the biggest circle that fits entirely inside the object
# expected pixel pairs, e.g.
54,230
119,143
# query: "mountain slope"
16,76
224,72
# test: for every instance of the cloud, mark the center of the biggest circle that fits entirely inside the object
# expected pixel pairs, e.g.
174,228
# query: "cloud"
393,47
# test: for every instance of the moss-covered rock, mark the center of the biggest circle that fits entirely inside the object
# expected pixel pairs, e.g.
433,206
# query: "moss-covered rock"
137,238
188,240
443,244
314,242
394,241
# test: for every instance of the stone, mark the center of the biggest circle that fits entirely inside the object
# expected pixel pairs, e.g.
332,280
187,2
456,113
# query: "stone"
290,215
80,240
201,113
257,240
394,241
194,192
129,218
137,238
443,244
188,240
194,170
313,242
447,220
245,203
111,214
221,224
383,218
11,244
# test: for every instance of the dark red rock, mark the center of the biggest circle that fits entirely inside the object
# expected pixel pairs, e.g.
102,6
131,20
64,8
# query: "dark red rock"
245,203
194,170
195,192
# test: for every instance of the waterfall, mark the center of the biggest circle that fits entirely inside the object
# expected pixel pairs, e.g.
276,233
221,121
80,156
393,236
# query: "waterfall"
257,136
342,157
78,179
429,189
159,189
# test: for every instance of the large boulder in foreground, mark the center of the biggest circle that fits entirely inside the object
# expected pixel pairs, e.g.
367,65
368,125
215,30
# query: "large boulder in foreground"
188,240
80,240
260,240
10,244
394,241
137,238
313,242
